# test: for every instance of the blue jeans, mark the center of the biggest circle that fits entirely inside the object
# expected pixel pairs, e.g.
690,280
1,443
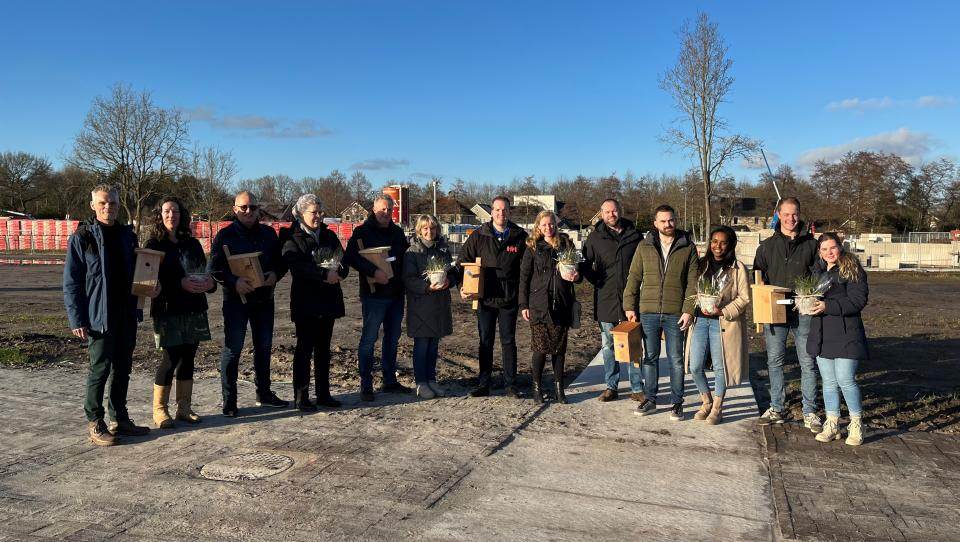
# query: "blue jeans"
706,334
389,314
236,314
652,324
839,375
425,351
776,339
611,367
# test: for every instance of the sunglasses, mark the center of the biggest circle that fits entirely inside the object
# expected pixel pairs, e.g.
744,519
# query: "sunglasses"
246,208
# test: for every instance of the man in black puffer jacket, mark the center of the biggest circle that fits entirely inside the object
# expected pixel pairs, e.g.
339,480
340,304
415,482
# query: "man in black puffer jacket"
500,245
382,301
788,254
607,254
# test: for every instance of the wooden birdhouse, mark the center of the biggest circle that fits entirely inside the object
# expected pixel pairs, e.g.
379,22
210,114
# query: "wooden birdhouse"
380,257
766,310
628,342
146,272
472,279
246,266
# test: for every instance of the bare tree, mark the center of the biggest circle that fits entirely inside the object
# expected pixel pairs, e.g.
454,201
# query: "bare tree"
360,187
213,170
20,176
129,139
698,84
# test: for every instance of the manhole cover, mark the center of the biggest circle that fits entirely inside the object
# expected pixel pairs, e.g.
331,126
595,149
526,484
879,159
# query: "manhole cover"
255,466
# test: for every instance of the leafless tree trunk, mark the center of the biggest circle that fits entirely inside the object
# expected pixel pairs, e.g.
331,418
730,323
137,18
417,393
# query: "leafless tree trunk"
698,84
129,139
213,169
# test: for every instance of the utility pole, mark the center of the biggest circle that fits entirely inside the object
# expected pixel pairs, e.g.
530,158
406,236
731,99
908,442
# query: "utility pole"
435,182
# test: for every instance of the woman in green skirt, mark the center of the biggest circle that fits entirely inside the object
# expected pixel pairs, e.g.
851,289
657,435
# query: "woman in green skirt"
180,311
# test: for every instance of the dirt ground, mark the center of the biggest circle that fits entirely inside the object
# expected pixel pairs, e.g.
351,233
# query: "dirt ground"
34,334
911,382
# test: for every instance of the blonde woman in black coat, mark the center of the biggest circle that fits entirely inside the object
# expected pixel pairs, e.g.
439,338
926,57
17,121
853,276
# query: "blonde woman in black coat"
546,300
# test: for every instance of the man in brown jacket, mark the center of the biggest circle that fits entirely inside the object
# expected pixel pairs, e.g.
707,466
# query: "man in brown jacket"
659,294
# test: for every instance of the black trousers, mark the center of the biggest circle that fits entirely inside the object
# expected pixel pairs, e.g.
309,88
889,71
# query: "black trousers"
111,357
176,359
313,340
488,320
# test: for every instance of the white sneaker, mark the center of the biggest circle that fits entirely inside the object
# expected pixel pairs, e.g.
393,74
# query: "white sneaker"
424,391
812,422
770,417
831,430
437,389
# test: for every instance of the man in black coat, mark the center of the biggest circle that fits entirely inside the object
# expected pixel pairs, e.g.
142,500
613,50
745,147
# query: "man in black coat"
607,254
500,245
783,257
247,235
382,301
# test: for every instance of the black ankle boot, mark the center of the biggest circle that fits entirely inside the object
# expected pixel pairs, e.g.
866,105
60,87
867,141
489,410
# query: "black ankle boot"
536,391
558,379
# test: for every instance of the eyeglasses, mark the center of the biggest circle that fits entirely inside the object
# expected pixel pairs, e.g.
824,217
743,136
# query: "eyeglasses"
246,208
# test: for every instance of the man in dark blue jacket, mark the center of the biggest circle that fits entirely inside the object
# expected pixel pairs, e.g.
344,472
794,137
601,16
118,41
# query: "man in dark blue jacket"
247,235
97,283
382,300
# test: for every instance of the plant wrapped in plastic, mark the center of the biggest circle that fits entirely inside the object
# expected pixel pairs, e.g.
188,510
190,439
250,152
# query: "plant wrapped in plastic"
328,258
436,270
568,259
708,292
808,289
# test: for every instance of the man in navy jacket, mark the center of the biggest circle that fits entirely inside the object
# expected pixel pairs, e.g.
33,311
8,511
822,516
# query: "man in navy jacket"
244,236
97,283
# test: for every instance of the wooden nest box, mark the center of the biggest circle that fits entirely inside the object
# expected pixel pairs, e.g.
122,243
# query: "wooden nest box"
472,279
628,342
766,310
247,266
380,257
146,272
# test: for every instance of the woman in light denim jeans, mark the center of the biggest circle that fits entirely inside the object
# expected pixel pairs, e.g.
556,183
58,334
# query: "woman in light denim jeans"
723,331
837,338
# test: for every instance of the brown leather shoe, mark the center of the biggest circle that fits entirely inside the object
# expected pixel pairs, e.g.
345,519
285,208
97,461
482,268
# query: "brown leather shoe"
638,396
128,428
608,395
99,434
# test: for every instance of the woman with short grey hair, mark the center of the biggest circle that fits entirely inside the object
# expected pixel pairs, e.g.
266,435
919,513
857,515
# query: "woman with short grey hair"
313,254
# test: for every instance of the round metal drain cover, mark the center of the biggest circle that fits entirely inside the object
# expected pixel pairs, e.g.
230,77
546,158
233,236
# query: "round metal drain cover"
254,466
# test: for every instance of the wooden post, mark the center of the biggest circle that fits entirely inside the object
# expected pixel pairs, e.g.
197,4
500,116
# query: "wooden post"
758,279
226,252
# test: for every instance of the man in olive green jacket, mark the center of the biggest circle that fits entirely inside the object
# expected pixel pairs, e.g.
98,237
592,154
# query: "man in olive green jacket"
659,294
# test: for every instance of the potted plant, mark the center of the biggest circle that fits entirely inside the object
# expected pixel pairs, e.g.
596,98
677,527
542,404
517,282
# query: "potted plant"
436,270
708,292
568,259
808,289
328,258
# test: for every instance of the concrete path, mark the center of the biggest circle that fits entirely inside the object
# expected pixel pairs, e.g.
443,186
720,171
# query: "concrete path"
597,471
456,468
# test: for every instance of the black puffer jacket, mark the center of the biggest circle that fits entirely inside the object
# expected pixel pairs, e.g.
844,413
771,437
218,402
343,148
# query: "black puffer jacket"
607,256
500,263
838,332
184,256
542,290
782,259
371,235
310,295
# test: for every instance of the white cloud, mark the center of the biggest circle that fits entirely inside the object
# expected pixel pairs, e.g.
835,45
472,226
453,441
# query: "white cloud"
259,125
911,146
756,161
380,163
872,104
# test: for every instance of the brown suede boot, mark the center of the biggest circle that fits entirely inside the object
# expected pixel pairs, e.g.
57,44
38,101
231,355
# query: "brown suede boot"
706,401
161,416
184,394
716,413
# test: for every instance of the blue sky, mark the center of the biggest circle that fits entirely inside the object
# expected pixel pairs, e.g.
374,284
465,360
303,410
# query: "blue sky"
486,91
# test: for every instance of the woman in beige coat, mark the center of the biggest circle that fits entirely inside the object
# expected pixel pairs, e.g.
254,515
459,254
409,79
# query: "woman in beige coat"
721,329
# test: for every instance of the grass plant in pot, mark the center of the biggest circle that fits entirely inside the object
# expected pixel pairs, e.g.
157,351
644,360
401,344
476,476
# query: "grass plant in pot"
708,292
328,258
808,290
568,259
436,270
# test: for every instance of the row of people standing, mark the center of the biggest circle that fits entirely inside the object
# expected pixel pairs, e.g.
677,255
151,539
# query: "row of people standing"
645,280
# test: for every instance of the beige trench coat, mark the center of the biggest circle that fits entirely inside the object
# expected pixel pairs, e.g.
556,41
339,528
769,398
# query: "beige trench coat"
734,301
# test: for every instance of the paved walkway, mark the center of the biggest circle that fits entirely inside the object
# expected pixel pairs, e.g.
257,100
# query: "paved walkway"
448,469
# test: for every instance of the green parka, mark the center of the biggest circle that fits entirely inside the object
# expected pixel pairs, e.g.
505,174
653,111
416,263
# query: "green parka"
655,286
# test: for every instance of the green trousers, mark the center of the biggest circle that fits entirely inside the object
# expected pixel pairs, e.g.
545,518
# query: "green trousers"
111,353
